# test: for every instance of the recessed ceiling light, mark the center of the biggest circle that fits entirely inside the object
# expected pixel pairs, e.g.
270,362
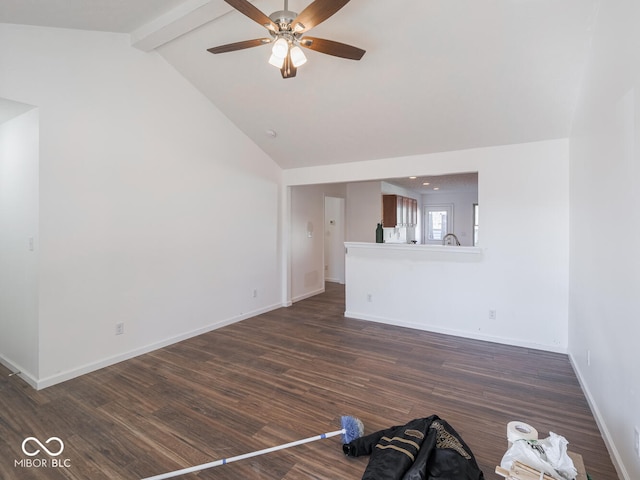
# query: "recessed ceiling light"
413,178
436,188
426,183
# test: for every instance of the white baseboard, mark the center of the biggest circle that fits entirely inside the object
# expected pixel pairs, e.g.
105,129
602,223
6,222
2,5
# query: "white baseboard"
105,362
456,333
602,426
19,371
308,295
335,280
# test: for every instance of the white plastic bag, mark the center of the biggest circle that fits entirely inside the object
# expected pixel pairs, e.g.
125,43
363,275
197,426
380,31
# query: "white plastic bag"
548,455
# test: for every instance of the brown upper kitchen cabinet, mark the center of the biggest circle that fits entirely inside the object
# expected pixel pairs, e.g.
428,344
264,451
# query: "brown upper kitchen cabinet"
399,211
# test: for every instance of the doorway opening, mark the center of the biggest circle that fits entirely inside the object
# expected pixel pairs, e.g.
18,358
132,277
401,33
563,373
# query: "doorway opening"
334,228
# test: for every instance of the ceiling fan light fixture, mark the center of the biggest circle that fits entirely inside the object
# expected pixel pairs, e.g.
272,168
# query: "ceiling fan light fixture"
276,61
280,48
297,56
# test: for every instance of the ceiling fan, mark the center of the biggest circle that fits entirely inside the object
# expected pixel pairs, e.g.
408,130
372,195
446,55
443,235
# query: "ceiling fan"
287,30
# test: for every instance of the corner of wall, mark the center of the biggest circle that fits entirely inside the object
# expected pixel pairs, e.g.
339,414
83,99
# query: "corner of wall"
602,426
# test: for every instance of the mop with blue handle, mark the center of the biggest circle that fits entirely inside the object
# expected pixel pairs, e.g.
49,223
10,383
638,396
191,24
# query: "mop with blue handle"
352,428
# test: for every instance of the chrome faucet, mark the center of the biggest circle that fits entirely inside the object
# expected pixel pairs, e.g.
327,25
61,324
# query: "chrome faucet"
449,238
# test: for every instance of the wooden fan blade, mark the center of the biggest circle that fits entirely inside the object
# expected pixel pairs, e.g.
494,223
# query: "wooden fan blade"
288,70
243,6
330,47
315,13
231,47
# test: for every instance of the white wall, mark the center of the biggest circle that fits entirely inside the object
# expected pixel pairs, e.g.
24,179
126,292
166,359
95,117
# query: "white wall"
523,190
604,303
141,218
364,211
18,253
307,241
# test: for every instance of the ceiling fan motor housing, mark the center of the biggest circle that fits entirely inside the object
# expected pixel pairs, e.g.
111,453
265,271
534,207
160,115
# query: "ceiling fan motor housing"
283,18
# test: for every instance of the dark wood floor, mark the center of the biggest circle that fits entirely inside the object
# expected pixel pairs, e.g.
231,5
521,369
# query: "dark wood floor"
287,375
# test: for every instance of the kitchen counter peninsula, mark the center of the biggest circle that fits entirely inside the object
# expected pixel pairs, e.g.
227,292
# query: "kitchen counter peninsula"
435,251
428,287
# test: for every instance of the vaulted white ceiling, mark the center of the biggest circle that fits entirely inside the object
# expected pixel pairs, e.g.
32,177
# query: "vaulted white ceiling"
438,75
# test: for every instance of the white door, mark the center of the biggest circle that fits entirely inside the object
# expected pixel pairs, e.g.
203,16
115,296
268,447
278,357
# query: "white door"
438,221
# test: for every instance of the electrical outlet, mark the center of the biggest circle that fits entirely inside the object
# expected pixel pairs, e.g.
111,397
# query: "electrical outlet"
636,441
588,358
492,314
369,297
119,328
255,293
